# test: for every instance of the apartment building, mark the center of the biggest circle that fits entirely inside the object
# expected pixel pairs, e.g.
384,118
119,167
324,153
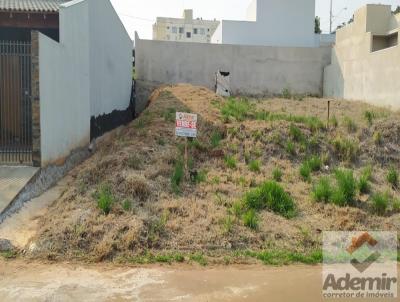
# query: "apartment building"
185,29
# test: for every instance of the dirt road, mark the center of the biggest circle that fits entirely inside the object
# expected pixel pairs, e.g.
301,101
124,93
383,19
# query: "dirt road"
21,281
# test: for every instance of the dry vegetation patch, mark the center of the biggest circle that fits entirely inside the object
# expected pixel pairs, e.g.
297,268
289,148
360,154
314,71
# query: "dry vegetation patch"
266,178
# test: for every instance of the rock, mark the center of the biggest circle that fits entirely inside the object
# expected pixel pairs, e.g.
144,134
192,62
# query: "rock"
6,245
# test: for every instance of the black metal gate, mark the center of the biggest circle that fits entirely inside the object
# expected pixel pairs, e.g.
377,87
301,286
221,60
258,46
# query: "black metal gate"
15,103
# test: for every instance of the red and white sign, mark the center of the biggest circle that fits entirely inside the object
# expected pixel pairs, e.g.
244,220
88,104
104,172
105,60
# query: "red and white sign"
186,124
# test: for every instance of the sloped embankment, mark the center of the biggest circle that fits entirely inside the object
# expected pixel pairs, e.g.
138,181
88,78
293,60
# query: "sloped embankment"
131,201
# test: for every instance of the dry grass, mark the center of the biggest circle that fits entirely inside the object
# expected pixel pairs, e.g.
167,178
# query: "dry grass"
138,161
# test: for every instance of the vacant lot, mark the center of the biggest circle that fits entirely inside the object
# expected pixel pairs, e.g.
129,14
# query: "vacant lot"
266,178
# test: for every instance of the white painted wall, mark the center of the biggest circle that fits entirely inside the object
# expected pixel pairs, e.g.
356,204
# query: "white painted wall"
87,74
284,23
357,72
255,70
110,60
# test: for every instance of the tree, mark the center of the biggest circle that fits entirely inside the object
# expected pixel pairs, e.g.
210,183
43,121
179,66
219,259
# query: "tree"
317,25
397,10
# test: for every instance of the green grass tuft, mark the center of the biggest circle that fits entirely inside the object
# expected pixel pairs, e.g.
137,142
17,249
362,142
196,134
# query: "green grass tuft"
230,161
255,165
177,176
277,174
296,133
380,203
322,191
393,177
237,109
105,199
250,219
350,124
345,192
270,195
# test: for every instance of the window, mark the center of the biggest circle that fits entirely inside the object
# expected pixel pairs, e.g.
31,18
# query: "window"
202,31
188,35
174,30
181,30
195,31
382,42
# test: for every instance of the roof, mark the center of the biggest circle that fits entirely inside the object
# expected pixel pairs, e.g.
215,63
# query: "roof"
31,5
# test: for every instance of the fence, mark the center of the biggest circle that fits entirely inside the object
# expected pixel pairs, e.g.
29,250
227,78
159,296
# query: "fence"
15,103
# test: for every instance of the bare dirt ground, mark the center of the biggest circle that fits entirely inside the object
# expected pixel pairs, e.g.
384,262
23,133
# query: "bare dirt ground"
151,220
21,281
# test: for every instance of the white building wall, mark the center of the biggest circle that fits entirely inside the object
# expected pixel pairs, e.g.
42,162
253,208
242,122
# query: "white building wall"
86,74
110,60
284,23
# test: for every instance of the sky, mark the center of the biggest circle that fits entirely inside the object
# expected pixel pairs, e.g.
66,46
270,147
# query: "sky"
139,15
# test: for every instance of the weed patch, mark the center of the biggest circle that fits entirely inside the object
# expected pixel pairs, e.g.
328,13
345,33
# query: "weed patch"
250,219
237,109
277,174
270,195
346,188
393,177
322,191
105,199
380,203
230,162
177,176
255,166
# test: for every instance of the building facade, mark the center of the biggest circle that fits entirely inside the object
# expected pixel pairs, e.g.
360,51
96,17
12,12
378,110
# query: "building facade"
186,29
283,23
365,58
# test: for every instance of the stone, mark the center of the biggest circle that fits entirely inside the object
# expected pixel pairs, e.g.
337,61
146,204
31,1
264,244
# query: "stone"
6,245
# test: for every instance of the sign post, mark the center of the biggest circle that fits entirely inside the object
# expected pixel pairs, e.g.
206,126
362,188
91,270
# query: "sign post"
186,126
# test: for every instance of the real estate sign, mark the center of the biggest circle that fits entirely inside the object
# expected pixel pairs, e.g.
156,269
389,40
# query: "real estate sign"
186,124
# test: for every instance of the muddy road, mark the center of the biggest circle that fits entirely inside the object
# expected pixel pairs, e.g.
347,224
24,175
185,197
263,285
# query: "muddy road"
22,281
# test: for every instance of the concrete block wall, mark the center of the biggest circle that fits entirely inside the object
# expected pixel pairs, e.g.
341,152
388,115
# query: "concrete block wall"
254,70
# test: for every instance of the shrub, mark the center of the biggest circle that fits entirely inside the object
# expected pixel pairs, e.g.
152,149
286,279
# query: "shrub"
322,191
380,203
216,138
290,148
350,124
393,177
369,116
250,219
230,161
254,165
346,188
277,174
105,199
177,176
345,149
296,133
270,195
238,109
